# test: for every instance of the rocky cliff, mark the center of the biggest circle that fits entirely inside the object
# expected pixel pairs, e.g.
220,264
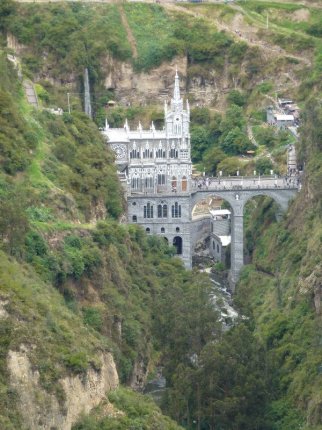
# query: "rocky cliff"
79,393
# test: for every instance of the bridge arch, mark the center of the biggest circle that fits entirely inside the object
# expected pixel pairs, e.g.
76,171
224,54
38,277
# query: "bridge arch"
237,198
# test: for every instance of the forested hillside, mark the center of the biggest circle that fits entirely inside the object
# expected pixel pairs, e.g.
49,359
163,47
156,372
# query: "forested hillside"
88,303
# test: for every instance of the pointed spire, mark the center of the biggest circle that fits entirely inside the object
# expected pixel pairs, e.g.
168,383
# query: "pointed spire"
176,92
140,126
126,125
152,126
106,124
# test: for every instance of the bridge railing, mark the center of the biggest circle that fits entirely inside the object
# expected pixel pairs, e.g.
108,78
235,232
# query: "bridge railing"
223,183
246,183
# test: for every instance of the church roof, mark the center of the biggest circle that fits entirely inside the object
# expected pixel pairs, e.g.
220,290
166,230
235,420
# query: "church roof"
121,135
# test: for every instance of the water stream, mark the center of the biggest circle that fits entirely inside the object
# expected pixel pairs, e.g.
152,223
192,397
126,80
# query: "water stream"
87,95
222,301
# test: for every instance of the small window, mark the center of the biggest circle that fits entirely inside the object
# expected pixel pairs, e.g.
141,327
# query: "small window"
177,229
162,230
147,230
134,218
217,248
134,203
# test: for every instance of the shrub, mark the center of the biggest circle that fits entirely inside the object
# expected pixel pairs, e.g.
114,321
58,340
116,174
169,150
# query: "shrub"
77,362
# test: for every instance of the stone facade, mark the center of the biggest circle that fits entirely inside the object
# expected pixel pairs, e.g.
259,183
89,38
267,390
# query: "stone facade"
155,167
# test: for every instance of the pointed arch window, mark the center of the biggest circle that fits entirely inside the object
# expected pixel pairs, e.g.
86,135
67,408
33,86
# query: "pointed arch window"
134,153
160,153
173,153
148,182
148,210
161,179
176,210
135,183
162,211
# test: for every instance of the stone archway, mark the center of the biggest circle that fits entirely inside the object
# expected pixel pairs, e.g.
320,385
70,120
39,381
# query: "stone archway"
237,200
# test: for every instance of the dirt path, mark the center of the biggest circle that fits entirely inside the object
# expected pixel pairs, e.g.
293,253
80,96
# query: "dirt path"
129,33
239,33
30,93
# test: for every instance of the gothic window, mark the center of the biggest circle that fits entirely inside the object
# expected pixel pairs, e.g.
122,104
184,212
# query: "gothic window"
135,183
162,230
147,230
213,245
134,153
212,227
162,211
176,210
174,183
173,153
146,153
134,218
148,211
161,179
184,183
217,248
160,153
177,229
148,182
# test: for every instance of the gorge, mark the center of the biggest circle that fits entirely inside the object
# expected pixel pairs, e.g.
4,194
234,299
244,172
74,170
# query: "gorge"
91,305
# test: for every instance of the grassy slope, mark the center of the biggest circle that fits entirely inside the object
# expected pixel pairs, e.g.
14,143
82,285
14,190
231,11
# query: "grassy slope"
65,284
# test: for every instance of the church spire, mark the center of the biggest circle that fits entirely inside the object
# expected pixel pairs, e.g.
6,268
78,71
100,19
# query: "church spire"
176,92
176,101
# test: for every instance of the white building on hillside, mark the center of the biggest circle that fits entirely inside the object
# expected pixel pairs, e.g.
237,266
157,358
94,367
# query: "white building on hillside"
153,160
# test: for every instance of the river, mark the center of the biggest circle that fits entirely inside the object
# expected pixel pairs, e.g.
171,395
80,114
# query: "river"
222,301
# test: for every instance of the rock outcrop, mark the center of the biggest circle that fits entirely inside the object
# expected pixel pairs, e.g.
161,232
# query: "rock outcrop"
81,393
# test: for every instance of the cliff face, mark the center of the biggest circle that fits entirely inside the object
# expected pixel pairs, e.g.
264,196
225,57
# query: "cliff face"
79,394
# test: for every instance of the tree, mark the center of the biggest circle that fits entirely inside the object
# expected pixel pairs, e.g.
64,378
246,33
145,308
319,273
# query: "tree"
263,165
235,142
212,158
200,116
266,136
229,166
7,8
199,142
237,98
234,118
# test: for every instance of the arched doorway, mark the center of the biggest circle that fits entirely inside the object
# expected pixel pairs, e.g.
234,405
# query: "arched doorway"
184,184
177,243
174,183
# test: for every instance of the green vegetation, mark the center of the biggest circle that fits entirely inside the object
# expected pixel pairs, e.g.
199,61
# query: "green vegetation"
75,283
134,412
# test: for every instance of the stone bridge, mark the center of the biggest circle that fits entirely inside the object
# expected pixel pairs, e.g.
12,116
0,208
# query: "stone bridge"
237,191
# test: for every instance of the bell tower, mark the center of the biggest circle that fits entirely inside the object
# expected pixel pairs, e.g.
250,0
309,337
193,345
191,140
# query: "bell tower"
177,119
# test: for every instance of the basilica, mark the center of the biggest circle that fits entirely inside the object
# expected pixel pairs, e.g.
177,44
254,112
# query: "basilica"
155,166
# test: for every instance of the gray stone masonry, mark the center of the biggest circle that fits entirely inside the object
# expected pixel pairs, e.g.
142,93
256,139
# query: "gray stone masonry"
155,169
